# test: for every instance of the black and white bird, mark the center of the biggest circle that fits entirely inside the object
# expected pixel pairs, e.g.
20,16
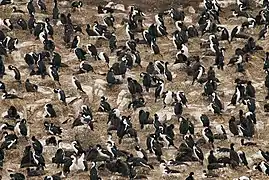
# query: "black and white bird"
205,120
75,42
12,113
59,157
111,79
55,10
159,90
262,167
34,171
197,151
52,177
7,23
77,5
61,95
181,58
92,50
31,23
167,139
2,157
242,158
234,156
2,86
41,5
99,29
137,161
2,67
176,15
52,128
48,28
31,7
178,109
38,159
28,158
104,57
144,118
22,23
131,45
10,95
214,108
30,87
90,31
168,73
85,118
159,19
237,97
236,33
129,32
248,143
75,163
42,70
166,170
208,135
147,36
109,21
112,42
141,153
198,74
104,10
190,177
11,44
103,153
94,172
80,53
53,73
263,154
8,140
56,60
159,66
77,84
104,105
85,67
49,111
37,146
21,129
154,47
16,73
263,33
16,175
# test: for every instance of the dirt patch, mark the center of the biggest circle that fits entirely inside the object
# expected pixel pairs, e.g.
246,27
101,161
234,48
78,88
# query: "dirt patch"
152,5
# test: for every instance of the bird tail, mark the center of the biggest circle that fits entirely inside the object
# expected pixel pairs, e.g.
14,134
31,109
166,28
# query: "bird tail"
174,171
193,81
43,75
94,72
243,36
140,177
175,147
148,165
159,158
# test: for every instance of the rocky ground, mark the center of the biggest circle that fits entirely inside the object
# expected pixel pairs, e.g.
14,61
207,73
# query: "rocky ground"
95,86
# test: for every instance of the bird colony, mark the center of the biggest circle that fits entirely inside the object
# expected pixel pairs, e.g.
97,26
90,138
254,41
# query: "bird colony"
118,92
